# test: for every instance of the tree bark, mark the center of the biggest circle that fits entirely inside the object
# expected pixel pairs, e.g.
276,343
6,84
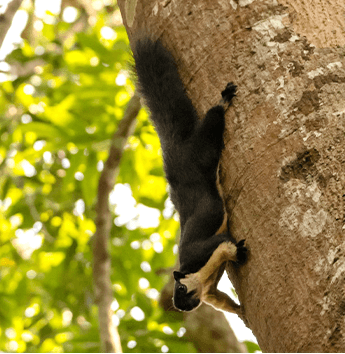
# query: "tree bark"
284,161
7,17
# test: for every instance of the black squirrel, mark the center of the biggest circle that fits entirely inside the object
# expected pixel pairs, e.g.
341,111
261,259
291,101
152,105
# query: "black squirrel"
191,152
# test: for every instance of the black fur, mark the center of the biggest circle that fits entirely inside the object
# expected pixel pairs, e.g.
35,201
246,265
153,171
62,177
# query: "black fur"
241,253
185,301
191,151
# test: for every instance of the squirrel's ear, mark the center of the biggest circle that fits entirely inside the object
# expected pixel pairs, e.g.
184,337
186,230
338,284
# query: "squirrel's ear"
178,275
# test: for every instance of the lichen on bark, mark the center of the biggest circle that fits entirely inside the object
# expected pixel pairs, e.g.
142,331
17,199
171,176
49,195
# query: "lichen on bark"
283,166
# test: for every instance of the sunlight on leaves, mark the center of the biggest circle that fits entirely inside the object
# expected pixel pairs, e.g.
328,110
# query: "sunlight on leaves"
62,96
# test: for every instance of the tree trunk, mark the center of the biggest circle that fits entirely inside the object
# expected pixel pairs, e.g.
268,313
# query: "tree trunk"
7,17
283,166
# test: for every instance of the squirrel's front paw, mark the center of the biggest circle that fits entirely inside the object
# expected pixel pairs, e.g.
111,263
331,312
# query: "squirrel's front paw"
230,92
242,252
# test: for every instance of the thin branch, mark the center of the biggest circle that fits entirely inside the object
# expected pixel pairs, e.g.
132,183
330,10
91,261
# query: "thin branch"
30,201
110,339
20,70
79,26
7,17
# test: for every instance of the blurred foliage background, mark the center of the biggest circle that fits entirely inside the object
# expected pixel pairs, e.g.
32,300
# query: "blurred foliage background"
63,91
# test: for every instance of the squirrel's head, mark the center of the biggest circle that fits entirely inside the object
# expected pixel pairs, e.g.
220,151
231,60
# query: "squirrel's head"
187,291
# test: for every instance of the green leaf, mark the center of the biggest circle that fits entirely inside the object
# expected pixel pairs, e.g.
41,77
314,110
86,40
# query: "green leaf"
5,187
45,131
252,347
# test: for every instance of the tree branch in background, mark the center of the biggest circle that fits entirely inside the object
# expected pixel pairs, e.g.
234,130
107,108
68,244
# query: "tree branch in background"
24,69
216,337
110,339
81,24
7,17
30,201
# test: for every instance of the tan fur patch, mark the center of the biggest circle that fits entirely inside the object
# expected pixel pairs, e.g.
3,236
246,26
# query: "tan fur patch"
226,251
191,281
222,301
224,227
205,281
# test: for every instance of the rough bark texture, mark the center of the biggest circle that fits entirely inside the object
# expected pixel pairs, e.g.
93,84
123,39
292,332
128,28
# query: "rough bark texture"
283,166
322,22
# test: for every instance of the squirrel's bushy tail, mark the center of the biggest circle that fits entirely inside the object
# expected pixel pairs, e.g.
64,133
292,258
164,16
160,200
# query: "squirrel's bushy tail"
160,85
